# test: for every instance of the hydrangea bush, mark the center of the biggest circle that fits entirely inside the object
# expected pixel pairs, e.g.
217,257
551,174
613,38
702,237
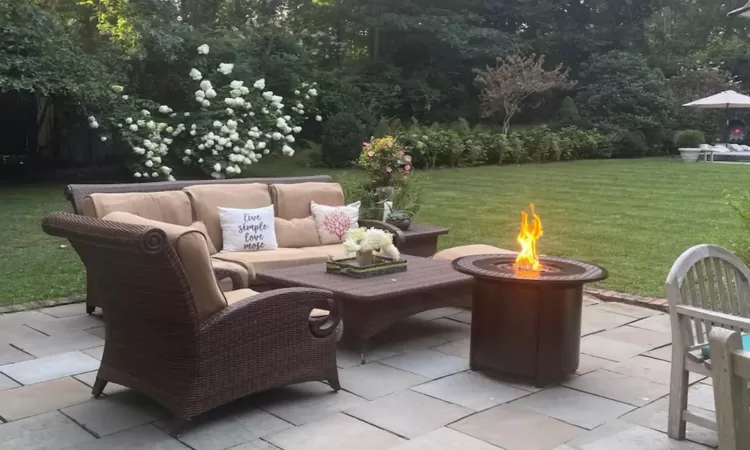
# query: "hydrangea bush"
233,125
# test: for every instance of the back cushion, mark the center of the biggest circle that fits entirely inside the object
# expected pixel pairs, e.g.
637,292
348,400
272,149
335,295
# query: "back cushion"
292,201
166,206
206,200
192,248
296,233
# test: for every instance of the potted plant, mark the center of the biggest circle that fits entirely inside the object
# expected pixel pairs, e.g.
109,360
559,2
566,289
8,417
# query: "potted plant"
399,219
364,242
688,142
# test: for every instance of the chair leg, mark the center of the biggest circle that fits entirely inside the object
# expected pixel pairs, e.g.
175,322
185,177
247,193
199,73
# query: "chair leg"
334,382
99,386
178,425
90,309
678,397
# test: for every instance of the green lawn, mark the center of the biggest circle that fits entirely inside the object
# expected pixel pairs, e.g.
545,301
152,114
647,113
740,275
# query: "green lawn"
634,217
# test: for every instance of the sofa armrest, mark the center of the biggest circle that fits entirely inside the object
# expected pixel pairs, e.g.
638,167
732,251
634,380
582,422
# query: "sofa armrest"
399,238
284,311
238,281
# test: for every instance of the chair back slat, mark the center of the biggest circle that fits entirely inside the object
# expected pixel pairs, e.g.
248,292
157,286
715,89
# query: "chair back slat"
731,280
724,301
704,298
694,300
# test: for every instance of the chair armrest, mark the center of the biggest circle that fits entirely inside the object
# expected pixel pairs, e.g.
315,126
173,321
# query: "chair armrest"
237,280
274,310
399,238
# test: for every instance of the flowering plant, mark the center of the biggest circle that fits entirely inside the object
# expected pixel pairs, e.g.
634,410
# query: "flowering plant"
359,240
385,161
233,125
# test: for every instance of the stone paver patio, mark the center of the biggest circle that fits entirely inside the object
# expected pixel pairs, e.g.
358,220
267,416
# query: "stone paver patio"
414,393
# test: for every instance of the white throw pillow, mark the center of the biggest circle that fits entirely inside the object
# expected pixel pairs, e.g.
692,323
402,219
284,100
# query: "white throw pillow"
333,222
248,230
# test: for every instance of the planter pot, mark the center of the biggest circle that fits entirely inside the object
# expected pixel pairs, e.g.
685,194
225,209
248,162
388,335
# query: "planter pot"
690,155
364,258
401,224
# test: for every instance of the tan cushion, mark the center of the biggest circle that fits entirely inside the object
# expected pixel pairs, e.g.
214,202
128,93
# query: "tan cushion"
167,206
233,266
206,200
335,251
200,226
292,201
468,250
239,295
296,233
192,250
272,259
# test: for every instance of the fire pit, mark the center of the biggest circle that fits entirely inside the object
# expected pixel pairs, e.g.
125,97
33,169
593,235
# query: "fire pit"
526,319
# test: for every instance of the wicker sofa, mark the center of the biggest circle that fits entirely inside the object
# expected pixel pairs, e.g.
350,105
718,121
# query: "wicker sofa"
173,335
196,203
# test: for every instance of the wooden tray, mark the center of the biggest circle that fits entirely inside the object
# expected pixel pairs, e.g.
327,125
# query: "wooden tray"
351,268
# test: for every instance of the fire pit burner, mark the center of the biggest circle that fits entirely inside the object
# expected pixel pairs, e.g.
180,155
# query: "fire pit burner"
524,323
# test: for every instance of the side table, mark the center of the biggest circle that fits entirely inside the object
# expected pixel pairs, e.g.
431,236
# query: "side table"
421,240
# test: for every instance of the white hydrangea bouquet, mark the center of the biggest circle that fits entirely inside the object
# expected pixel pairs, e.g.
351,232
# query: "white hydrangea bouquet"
363,242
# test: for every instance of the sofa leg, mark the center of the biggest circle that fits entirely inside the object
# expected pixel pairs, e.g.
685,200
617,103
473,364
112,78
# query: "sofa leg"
334,383
90,309
99,386
177,426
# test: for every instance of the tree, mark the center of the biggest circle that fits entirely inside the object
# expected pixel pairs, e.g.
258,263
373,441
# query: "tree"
515,78
568,112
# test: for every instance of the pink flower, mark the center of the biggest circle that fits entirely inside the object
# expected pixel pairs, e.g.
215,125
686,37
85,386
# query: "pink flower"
365,144
407,158
388,169
400,153
407,167
390,144
370,153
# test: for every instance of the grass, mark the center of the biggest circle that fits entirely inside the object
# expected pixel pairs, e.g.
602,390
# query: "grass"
633,217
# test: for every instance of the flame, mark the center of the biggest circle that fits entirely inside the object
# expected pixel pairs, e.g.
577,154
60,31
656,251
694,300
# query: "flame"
527,259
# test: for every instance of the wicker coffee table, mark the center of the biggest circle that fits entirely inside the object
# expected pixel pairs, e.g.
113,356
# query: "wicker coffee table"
370,305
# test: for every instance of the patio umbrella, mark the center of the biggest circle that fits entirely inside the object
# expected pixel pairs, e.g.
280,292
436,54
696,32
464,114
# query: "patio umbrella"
742,12
724,100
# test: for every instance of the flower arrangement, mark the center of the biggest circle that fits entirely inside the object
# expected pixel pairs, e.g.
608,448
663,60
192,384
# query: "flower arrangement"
233,126
385,161
364,241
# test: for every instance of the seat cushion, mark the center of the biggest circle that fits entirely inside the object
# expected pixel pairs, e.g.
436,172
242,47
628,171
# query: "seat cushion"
192,250
292,201
296,233
238,295
206,199
334,251
468,250
280,258
167,206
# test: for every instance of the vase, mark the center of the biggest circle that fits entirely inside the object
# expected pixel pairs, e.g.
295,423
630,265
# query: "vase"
364,258
401,224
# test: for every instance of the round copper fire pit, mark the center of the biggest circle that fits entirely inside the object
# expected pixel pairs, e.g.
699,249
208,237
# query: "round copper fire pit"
527,324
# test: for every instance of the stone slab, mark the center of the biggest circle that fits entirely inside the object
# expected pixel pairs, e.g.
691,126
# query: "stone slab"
40,398
409,414
307,402
73,309
627,310
588,363
659,323
95,352
702,396
656,416
337,432
89,378
10,355
663,353
52,345
472,390
614,350
623,388
463,316
511,427
139,438
66,324
638,336
375,380
114,413
438,313
50,367
257,444
460,348
97,331
428,363
651,369
594,320
445,439
640,438
50,431
7,383
574,407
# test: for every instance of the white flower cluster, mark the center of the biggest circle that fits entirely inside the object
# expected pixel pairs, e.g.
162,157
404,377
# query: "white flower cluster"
369,240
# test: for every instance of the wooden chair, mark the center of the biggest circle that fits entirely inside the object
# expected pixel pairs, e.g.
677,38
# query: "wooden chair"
707,286
731,373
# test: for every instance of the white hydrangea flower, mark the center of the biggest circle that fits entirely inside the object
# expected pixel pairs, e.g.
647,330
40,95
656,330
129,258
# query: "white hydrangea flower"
206,103
251,114
307,97
313,92
206,85
188,152
119,125
151,125
156,159
94,124
244,90
229,111
133,127
290,138
195,74
171,178
210,93
234,137
226,68
125,97
276,136
141,123
117,89
268,95
169,130
277,98
266,151
200,95
264,111
297,130
318,118
103,138
261,145
164,109
225,130
217,124
145,113
129,120
192,133
278,105
203,49
287,150
137,174
296,92
139,150
236,84
149,163
166,170
260,84
217,167
154,174
200,160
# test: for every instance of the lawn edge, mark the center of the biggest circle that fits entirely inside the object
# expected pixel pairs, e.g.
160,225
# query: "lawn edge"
659,304
41,304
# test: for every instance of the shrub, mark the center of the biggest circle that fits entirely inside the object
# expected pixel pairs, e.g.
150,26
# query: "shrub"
689,139
409,194
568,112
343,135
628,144
740,205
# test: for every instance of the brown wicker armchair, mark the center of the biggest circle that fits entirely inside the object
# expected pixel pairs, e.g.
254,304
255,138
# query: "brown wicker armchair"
164,341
